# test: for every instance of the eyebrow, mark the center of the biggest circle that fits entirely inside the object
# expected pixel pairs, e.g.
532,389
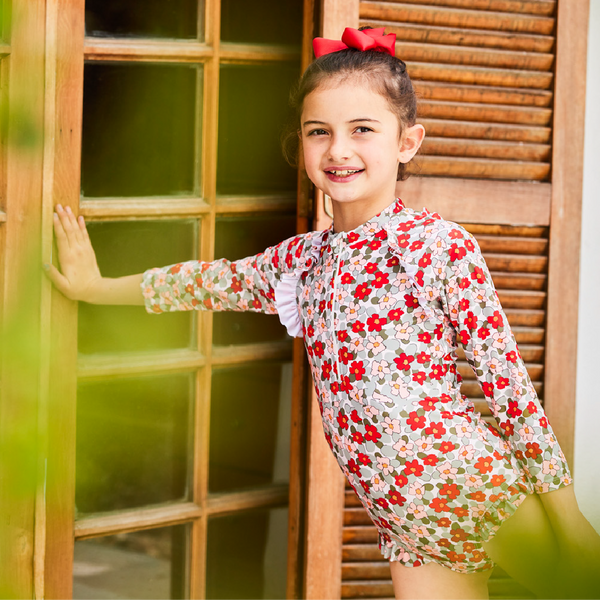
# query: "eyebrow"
359,120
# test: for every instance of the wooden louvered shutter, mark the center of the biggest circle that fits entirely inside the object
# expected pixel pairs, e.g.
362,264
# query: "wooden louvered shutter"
502,91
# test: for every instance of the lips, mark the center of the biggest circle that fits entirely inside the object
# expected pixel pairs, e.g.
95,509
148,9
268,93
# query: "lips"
342,174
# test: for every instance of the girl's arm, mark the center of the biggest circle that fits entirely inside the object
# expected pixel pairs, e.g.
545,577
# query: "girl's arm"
80,278
483,330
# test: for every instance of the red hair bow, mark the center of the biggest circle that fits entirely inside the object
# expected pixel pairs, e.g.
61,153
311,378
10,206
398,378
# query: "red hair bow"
367,39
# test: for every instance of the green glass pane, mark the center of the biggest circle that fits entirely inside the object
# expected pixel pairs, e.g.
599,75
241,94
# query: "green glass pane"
133,441
253,108
140,564
262,21
247,555
125,248
249,426
138,130
238,237
142,18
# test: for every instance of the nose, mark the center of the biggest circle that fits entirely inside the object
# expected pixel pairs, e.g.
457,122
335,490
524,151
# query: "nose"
339,148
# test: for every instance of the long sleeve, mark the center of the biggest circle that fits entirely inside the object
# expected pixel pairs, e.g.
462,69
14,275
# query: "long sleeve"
261,283
482,329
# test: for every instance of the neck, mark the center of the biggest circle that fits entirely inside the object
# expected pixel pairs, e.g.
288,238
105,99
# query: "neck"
350,215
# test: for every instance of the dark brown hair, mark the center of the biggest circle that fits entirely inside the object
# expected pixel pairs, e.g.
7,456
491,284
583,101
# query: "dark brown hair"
385,73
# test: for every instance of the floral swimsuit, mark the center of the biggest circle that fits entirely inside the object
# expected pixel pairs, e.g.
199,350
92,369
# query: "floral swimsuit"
382,310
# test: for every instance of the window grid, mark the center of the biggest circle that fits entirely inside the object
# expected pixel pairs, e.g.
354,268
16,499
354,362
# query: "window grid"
205,207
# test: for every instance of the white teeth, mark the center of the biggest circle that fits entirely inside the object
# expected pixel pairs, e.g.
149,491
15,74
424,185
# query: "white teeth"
344,173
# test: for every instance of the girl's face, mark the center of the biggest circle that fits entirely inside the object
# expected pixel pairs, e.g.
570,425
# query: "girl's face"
352,145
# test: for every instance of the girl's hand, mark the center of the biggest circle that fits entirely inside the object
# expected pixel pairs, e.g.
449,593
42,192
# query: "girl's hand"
80,276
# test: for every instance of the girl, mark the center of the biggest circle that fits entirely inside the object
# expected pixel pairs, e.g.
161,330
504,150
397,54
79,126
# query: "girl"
383,298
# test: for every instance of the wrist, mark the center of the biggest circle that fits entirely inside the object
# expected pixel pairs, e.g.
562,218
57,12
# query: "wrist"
96,291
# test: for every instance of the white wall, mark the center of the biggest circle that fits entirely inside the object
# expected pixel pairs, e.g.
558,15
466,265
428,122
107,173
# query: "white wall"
587,424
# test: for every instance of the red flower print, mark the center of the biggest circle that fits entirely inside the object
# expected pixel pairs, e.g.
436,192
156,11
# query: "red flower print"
397,498
477,496
256,303
380,279
415,421
372,435
403,240
318,349
496,320
469,245
425,337
322,306
347,279
508,428
357,437
406,226
457,534
488,389
425,260
345,355
483,333
502,382
362,291
342,336
544,422
374,245
365,486
353,467
382,502
451,490
400,480
417,245
381,235
423,358
439,505
375,322
334,387
342,420
355,417
444,521
533,450
456,252
478,275
463,283
532,408
455,557
464,304
403,362
371,267
392,262
446,447
484,464
444,543
438,371
411,301
439,331
437,430
357,369
431,460
419,377
364,459
310,331
413,467
497,480
460,511
326,370
236,286
513,409
346,386
471,321
395,314
357,327
352,236
428,403
419,277
463,337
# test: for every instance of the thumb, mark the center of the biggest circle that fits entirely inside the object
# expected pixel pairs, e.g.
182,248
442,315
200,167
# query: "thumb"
60,282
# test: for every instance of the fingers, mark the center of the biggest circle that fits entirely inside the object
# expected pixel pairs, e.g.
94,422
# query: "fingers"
71,228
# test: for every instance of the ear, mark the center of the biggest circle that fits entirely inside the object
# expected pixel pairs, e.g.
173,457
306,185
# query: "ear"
412,138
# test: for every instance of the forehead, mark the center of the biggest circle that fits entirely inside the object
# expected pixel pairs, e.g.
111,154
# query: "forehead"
345,99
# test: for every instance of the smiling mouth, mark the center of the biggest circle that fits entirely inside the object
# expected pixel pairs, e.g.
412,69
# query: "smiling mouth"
344,173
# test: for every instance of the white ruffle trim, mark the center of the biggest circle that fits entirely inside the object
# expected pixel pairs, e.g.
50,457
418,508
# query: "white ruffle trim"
286,299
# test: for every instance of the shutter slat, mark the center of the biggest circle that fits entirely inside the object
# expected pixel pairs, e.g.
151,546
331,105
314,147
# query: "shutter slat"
456,17
360,535
522,299
486,131
485,149
529,335
521,263
351,552
531,7
486,229
356,516
482,57
494,113
366,570
480,168
367,589
519,281
351,499
453,36
512,244
431,90
479,75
